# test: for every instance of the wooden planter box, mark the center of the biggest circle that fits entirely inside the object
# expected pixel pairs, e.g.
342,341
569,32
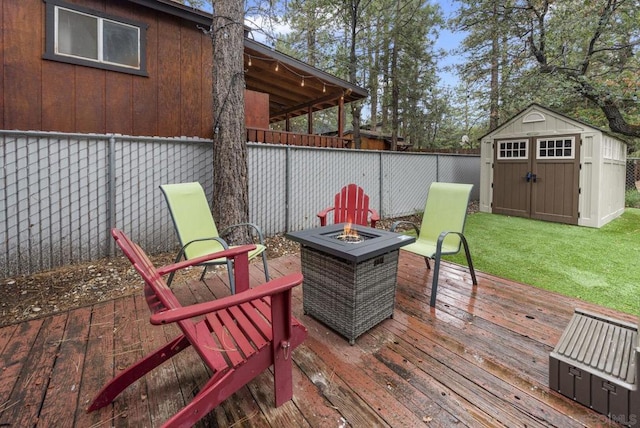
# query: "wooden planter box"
596,364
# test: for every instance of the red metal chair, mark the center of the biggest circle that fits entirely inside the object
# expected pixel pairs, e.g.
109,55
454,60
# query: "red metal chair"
351,206
238,337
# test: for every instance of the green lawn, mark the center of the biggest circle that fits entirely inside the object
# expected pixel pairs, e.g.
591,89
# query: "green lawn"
597,265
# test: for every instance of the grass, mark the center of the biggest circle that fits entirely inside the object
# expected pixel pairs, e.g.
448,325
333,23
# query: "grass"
601,266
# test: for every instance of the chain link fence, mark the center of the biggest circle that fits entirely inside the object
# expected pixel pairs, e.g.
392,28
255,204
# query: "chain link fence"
60,194
632,188
633,173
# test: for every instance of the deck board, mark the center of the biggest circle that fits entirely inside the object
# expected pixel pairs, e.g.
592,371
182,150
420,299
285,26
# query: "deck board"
480,358
33,383
66,376
98,366
129,314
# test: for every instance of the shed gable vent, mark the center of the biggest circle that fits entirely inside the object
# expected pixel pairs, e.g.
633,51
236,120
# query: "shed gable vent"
534,116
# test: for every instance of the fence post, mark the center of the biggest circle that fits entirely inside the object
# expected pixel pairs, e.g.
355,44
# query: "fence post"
287,191
111,192
381,184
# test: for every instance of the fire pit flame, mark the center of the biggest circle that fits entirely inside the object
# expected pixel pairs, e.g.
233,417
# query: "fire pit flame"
349,234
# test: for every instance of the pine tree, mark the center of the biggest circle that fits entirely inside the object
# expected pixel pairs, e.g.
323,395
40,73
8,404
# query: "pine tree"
230,179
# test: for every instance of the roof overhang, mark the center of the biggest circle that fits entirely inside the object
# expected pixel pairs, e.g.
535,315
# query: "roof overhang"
179,10
294,87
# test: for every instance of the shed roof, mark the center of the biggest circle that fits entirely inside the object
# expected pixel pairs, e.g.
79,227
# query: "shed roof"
294,87
539,106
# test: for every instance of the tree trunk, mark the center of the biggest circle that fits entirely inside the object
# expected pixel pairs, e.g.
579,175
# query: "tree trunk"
373,84
395,90
494,94
230,183
353,68
395,93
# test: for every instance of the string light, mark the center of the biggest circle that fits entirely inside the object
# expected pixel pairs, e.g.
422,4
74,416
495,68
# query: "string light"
301,76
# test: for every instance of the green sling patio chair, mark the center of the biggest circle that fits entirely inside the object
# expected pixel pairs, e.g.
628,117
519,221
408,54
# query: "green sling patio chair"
197,230
441,231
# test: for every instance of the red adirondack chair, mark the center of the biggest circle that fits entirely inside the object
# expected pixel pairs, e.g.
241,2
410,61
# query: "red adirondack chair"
239,337
351,205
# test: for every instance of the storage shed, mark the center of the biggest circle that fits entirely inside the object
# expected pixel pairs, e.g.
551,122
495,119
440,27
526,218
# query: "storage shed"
544,165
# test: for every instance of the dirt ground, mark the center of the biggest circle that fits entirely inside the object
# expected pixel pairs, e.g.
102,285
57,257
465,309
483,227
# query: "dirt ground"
32,296
72,286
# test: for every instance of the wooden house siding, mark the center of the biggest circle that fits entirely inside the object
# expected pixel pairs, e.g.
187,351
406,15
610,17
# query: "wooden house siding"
2,48
371,142
256,109
37,94
368,143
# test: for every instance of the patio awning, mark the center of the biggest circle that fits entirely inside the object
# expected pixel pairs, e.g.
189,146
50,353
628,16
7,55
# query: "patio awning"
294,87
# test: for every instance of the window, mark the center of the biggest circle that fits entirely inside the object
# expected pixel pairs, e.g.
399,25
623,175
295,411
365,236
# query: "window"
556,148
81,36
534,116
512,149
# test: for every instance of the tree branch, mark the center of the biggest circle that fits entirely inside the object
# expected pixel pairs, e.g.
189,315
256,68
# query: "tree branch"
578,75
617,123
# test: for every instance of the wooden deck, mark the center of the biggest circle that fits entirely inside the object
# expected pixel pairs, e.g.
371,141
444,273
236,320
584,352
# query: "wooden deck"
479,359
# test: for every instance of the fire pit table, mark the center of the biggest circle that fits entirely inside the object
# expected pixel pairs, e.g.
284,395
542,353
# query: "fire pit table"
350,275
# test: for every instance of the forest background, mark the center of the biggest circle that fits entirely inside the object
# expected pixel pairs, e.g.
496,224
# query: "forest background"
578,57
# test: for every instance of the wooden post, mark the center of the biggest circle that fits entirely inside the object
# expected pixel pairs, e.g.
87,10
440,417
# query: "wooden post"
341,117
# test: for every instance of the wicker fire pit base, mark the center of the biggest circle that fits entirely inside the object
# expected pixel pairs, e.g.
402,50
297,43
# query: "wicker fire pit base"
351,298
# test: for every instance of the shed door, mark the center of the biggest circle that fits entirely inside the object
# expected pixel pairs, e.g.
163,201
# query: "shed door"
511,191
537,178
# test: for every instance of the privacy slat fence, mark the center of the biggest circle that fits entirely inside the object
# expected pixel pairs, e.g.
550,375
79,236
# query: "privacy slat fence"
61,193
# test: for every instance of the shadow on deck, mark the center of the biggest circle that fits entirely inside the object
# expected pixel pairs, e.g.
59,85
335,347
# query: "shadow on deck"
480,358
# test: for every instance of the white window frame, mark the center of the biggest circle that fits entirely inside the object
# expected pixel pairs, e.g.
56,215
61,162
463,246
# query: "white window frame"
52,32
563,148
512,150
